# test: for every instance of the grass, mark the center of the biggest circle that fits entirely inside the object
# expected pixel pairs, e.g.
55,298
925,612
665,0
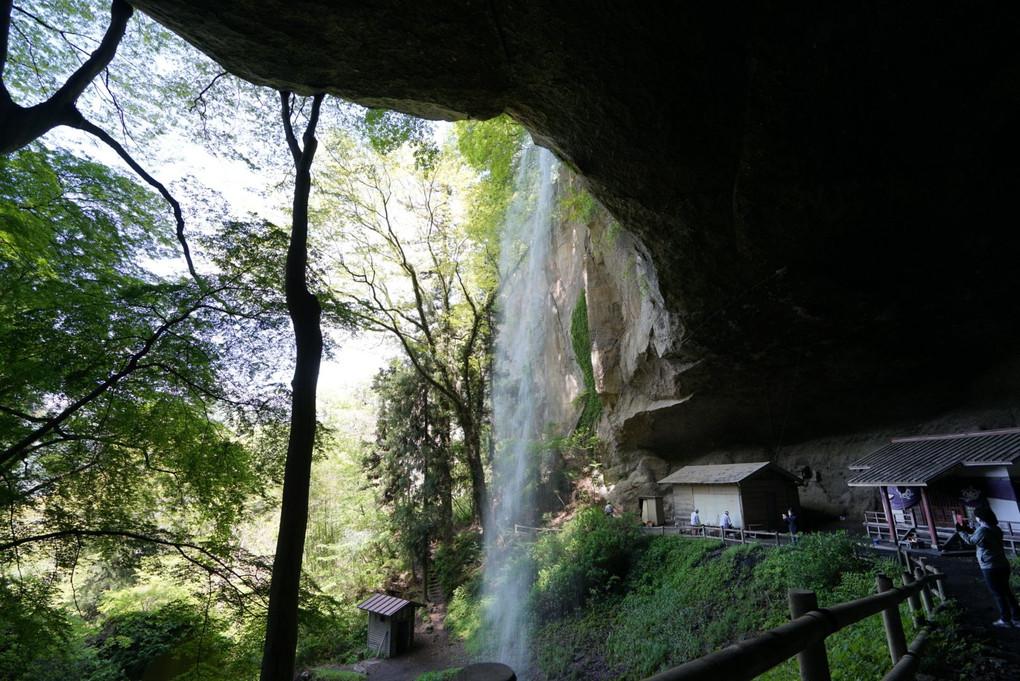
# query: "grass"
674,599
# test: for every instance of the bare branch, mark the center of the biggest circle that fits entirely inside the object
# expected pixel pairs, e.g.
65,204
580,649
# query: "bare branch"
81,123
20,126
215,566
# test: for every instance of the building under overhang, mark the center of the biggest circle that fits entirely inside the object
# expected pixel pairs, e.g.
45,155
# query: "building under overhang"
929,482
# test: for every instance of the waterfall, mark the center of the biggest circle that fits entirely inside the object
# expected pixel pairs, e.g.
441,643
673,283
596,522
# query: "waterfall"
518,399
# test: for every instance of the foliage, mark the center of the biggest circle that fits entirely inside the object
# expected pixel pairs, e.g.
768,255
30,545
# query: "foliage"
412,270
443,675
578,205
132,640
388,130
411,462
458,560
329,630
330,674
591,556
31,629
116,385
684,598
819,561
465,614
348,550
581,342
493,149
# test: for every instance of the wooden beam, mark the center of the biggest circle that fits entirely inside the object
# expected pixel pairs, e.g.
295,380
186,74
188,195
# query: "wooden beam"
889,519
929,518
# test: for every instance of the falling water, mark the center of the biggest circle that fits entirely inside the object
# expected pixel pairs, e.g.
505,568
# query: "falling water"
517,399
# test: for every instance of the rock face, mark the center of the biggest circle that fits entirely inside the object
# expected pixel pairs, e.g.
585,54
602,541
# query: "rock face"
821,197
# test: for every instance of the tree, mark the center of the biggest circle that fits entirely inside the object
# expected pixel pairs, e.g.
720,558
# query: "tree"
305,314
415,273
412,461
116,386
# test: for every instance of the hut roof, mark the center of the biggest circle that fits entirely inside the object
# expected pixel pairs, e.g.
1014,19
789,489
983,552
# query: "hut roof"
381,604
918,461
722,474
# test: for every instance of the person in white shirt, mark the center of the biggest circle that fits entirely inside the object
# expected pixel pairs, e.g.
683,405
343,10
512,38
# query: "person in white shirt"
695,519
725,522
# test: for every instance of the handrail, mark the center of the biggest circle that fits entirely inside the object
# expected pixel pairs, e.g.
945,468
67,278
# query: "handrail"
748,659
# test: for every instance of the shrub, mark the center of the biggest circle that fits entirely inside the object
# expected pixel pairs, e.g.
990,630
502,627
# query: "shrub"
328,631
132,640
593,555
465,615
455,562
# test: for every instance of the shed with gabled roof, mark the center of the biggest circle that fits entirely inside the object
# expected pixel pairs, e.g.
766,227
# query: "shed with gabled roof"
755,494
390,624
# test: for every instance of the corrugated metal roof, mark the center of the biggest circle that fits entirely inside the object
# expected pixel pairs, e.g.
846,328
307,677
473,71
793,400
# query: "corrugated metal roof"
381,604
917,461
721,474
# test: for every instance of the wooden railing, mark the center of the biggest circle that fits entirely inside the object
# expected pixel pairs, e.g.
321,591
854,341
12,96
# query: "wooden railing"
734,534
907,532
804,636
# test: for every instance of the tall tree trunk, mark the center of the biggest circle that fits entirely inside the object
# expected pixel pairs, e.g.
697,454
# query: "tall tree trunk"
473,454
305,313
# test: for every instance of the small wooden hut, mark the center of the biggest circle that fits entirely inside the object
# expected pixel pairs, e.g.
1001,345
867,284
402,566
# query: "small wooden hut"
390,624
755,494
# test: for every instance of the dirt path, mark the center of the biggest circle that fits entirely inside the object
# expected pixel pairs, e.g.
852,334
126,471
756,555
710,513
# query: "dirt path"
997,657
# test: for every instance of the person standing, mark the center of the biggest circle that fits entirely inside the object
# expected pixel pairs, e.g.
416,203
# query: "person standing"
695,519
991,557
791,522
609,509
724,521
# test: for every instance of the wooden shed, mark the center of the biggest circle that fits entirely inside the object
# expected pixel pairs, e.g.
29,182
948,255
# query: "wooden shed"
755,494
390,624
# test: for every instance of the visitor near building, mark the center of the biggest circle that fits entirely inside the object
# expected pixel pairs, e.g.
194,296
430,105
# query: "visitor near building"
991,557
791,522
725,522
695,519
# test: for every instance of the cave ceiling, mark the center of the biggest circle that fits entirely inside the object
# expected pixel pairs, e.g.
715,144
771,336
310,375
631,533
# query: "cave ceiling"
828,189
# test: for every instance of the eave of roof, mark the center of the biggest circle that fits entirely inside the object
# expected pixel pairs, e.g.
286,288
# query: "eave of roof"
920,461
722,474
382,604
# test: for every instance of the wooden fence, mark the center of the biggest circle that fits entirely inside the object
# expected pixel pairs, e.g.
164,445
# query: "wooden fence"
804,636
732,535
908,532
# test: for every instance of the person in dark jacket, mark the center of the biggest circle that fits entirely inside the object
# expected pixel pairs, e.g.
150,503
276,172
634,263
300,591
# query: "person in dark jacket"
991,557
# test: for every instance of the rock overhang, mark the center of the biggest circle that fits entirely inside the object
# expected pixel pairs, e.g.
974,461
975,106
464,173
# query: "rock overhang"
826,191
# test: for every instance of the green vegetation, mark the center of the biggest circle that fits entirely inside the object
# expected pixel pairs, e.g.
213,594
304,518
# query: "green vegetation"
580,340
444,675
610,602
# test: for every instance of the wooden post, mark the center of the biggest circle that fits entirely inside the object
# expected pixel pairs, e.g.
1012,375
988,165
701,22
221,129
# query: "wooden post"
913,601
925,592
940,584
929,518
890,520
893,626
813,660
